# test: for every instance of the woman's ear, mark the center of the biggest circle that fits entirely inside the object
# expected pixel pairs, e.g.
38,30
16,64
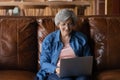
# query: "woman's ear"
57,27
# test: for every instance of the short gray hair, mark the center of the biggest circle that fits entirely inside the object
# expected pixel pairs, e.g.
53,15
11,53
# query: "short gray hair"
63,15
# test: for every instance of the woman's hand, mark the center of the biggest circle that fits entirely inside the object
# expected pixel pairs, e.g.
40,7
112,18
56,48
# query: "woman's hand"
57,70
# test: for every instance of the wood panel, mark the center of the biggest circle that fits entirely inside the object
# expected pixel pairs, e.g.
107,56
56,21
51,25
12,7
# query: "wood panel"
113,7
99,7
80,5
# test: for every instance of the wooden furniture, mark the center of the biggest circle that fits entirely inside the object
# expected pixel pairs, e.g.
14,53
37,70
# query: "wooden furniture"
55,8
78,4
6,10
21,36
113,7
33,10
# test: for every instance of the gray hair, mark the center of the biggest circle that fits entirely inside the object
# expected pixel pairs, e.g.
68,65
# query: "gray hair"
63,15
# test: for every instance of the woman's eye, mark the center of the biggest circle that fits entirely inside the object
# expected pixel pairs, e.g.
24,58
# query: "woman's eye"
67,24
70,24
63,24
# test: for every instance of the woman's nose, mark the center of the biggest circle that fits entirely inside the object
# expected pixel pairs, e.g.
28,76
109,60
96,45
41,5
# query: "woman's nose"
67,27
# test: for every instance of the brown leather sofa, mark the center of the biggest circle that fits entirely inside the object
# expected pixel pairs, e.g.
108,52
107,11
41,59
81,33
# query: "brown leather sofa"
21,38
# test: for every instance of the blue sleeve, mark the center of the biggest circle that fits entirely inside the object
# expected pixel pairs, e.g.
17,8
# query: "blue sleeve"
86,49
45,58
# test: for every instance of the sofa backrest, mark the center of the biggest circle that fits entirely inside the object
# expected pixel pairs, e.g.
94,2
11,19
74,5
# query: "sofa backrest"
21,38
106,38
103,34
18,43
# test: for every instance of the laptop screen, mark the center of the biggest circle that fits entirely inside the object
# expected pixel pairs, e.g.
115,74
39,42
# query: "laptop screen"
76,66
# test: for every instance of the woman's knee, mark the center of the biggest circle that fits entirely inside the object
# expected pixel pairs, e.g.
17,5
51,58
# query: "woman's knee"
82,78
53,77
66,79
36,78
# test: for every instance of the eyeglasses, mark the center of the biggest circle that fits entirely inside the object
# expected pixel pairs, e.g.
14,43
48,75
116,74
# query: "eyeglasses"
67,24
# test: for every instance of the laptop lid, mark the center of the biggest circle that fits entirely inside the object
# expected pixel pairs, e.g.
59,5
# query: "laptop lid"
76,66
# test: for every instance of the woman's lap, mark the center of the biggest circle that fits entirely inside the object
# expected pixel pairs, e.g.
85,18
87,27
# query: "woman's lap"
55,77
82,78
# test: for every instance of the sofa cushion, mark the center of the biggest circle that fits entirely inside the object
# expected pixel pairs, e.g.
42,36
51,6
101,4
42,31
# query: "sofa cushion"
18,43
46,25
106,41
109,75
16,75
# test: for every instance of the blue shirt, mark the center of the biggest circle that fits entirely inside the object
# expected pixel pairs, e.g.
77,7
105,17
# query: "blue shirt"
52,46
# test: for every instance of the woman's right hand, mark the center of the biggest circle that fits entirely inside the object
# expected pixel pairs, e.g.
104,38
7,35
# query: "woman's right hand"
57,70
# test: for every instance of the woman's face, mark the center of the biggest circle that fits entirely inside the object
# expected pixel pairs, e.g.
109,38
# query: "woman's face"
66,27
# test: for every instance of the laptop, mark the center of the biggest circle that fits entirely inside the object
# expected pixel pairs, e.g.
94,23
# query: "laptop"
76,66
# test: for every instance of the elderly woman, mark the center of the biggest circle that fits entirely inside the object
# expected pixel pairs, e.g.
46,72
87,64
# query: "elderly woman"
63,43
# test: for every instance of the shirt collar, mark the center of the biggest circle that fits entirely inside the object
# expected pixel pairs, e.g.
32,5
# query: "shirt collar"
58,36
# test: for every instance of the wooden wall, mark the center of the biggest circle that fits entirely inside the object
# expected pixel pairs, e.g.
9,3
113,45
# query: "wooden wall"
113,7
107,7
97,7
